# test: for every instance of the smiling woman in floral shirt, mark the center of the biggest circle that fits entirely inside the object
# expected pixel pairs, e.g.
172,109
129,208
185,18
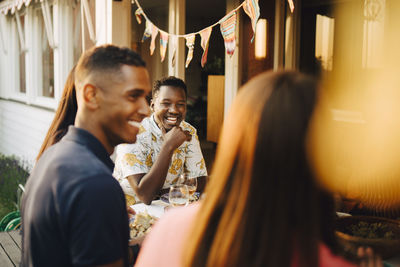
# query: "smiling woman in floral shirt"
166,147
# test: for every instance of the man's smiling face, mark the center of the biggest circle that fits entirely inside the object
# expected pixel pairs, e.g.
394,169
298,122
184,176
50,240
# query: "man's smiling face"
169,106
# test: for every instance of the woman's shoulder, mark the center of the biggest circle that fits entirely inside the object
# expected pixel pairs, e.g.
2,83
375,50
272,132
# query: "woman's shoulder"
167,237
175,223
183,214
328,259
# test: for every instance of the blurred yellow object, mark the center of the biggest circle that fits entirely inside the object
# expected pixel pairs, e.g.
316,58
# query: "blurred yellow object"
354,139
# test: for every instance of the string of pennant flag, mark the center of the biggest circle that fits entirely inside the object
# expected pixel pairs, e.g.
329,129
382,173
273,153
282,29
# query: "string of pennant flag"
227,28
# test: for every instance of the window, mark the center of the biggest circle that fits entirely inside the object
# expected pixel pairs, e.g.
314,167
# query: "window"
3,54
46,60
89,17
20,24
373,37
43,43
77,33
324,41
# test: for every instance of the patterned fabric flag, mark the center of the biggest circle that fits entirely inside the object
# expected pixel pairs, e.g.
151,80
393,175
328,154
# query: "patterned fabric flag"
205,38
173,44
253,11
138,15
163,44
228,28
147,31
154,32
190,44
291,5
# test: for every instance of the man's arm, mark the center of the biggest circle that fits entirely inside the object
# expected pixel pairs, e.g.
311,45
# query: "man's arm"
147,185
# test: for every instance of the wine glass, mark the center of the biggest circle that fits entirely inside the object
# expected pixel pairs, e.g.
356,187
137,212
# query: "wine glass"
178,195
191,183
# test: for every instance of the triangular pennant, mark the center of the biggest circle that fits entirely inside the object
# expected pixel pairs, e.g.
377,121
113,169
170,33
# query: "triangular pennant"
205,38
154,32
163,44
228,31
173,44
138,15
147,31
190,44
291,5
253,11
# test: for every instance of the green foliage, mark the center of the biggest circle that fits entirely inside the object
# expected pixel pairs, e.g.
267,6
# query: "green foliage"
12,173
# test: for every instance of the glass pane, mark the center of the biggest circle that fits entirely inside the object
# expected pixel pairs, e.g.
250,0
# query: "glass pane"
22,83
47,57
374,23
337,35
92,7
324,42
76,31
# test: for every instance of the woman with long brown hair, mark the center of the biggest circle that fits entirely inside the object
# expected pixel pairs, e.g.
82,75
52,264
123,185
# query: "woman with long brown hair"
262,206
64,116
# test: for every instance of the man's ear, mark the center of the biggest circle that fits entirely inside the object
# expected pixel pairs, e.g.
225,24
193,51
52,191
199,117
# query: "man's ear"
152,104
91,96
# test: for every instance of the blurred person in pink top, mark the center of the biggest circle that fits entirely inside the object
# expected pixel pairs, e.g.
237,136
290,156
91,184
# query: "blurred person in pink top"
263,206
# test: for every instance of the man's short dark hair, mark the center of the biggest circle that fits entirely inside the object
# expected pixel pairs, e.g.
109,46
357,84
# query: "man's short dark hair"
169,81
106,58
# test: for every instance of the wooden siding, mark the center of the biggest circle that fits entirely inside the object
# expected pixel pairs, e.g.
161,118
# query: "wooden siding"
22,129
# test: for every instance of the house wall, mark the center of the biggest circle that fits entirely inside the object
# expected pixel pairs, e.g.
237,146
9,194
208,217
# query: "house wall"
25,116
22,129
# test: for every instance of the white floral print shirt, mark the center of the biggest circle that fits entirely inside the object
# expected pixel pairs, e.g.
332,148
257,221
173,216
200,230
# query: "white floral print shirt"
139,157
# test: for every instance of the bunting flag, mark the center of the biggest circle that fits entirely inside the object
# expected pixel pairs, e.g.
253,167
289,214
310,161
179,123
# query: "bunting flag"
291,5
163,44
205,38
138,15
154,32
190,44
253,11
173,44
147,31
228,28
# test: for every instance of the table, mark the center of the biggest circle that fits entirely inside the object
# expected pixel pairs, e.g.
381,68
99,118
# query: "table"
10,249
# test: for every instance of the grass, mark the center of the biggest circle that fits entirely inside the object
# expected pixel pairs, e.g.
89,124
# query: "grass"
12,172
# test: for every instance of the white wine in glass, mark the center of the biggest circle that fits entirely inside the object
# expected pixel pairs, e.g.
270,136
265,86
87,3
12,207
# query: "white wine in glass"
178,195
191,183
192,190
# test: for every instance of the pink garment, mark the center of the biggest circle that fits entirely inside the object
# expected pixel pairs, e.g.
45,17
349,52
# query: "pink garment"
164,244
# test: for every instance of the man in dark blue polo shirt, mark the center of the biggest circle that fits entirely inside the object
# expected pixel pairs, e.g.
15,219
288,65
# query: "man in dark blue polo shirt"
73,210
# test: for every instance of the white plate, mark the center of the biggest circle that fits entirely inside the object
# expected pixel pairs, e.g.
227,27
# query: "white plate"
156,209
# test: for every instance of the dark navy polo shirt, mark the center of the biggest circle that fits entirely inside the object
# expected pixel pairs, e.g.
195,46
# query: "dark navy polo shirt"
73,210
